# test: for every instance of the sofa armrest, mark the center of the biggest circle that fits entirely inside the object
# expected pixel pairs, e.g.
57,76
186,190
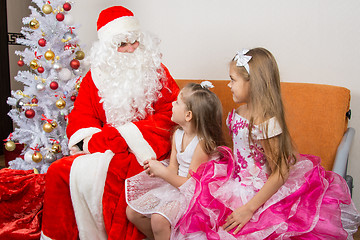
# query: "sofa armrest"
342,153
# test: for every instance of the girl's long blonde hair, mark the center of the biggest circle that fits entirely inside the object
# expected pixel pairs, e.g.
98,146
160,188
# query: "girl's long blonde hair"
265,102
206,110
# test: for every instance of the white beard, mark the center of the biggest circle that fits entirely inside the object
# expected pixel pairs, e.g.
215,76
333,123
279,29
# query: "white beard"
128,83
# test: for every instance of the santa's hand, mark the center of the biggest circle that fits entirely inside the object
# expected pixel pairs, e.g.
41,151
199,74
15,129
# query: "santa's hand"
75,150
238,219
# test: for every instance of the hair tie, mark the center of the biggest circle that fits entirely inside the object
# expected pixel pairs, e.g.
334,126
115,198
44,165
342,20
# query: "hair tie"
242,59
206,84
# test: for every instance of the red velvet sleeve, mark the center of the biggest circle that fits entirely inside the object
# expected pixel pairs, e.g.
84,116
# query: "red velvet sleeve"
85,114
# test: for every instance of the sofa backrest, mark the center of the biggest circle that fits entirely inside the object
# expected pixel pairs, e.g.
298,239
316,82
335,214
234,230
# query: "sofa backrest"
315,115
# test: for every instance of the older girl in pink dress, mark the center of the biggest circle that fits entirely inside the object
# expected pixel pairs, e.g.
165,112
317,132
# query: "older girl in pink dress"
268,191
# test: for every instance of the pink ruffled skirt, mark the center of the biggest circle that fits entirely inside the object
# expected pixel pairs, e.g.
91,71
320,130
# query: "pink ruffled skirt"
312,204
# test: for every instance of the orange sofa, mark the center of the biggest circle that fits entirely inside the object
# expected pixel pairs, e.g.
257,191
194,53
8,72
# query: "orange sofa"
317,116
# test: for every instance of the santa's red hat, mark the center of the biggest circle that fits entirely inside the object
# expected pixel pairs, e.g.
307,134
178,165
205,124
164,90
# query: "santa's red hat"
115,20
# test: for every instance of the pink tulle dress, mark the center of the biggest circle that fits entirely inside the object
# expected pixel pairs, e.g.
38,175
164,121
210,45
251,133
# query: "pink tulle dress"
312,203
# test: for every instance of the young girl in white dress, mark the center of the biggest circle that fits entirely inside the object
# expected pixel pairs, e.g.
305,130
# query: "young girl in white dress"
159,195
269,191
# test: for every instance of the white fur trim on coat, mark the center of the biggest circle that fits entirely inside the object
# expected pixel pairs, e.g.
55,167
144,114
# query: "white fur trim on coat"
81,134
97,75
136,142
117,26
87,192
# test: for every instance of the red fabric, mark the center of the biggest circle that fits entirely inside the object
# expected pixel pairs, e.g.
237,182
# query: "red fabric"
88,112
112,13
21,202
59,219
114,204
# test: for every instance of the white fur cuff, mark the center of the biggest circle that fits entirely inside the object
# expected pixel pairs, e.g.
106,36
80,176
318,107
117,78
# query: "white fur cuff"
136,142
81,134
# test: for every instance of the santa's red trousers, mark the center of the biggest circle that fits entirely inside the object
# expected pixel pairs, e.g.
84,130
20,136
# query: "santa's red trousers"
58,216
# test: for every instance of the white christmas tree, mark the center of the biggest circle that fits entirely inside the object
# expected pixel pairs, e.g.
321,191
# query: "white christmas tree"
50,85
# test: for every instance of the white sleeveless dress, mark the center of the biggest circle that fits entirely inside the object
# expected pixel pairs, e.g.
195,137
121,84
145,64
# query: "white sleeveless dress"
148,195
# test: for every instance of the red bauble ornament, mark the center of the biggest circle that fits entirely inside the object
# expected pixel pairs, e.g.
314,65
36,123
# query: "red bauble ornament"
40,69
67,6
34,100
74,64
42,42
20,63
73,98
54,85
60,17
29,113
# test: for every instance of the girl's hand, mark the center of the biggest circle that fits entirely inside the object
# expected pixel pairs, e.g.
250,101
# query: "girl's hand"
147,166
238,219
154,168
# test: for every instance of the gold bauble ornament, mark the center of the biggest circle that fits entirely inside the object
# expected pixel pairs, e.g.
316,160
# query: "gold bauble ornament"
47,127
77,86
60,103
37,157
54,124
80,55
47,9
10,146
34,64
56,148
34,24
49,55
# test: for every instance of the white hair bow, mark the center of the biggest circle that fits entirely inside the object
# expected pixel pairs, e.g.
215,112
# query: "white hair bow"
206,84
242,59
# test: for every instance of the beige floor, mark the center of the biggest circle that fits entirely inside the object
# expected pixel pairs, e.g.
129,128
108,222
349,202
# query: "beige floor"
2,164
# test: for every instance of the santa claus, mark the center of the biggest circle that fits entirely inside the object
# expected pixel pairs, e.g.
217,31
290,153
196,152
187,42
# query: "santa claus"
121,118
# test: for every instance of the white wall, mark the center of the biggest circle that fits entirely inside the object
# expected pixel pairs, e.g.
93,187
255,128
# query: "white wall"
316,41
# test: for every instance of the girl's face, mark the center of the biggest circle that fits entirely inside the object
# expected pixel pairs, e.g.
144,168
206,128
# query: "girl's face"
179,111
239,86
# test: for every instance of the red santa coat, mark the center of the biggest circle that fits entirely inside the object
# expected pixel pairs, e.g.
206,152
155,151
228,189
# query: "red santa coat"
115,154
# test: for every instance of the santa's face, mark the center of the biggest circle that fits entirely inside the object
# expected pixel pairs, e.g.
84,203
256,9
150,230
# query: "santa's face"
127,75
126,47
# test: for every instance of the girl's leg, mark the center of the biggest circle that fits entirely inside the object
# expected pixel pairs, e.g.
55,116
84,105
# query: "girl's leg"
140,221
161,227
